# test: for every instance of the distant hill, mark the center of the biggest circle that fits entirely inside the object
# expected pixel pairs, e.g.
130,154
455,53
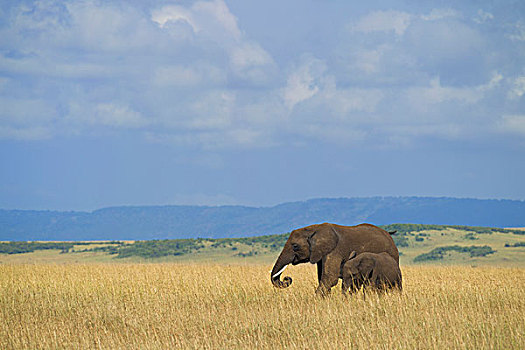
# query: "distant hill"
172,222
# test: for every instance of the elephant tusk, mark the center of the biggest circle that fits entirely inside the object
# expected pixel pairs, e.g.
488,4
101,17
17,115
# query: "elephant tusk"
280,271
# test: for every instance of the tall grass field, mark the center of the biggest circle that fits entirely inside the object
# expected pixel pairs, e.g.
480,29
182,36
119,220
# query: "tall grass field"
207,306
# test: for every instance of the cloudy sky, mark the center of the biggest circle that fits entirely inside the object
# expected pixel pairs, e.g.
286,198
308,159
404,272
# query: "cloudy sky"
214,102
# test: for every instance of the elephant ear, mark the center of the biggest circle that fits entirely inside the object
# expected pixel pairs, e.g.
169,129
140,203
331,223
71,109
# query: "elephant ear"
366,267
353,270
322,242
352,264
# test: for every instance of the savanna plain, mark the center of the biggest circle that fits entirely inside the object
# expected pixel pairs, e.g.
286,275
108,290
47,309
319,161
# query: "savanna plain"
234,306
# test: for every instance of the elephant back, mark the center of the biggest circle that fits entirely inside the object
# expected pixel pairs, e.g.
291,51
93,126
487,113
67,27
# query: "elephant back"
367,238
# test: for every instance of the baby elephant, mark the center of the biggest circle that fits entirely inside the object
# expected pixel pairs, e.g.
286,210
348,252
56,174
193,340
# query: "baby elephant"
377,270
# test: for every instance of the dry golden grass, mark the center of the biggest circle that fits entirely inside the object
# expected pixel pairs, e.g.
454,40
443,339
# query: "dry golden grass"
159,306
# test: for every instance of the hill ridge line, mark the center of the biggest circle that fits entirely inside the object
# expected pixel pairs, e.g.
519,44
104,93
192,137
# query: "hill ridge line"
180,221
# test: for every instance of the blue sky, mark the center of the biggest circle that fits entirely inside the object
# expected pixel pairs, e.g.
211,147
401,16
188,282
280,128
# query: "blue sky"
108,103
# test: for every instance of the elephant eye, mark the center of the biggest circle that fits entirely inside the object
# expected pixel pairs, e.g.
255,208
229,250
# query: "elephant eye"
295,247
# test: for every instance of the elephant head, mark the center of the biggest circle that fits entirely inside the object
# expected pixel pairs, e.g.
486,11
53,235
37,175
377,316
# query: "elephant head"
352,267
360,267
307,244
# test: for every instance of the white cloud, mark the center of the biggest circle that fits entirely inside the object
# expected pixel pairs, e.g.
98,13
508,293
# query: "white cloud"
250,54
26,111
437,14
518,88
264,112
172,14
247,137
212,21
424,99
25,133
435,93
303,82
397,21
26,118
249,61
514,124
368,61
177,76
220,11
344,101
114,115
319,109
482,17
42,66
424,44
444,41
40,16
104,58
189,75
493,82
214,111
299,87
105,28
518,33
384,21
76,40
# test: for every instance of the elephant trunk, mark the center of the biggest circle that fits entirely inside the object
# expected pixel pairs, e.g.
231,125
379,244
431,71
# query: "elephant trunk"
283,260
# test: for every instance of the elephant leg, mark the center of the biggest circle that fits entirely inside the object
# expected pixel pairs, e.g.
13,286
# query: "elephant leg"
375,281
344,290
344,287
319,270
354,286
330,276
349,287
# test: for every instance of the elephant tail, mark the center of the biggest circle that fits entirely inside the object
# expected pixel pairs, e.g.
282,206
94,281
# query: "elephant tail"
392,232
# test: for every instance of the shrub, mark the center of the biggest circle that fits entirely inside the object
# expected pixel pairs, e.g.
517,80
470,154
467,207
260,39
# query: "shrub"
439,253
515,245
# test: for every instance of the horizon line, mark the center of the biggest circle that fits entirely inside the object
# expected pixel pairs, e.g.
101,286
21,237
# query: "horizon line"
255,206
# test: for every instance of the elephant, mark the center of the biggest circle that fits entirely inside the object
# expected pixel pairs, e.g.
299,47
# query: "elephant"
380,271
329,246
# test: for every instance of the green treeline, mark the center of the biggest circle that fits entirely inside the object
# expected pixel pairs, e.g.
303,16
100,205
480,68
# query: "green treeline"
159,248
403,230
271,243
28,247
174,247
152,248
406,228
439,253
515,245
